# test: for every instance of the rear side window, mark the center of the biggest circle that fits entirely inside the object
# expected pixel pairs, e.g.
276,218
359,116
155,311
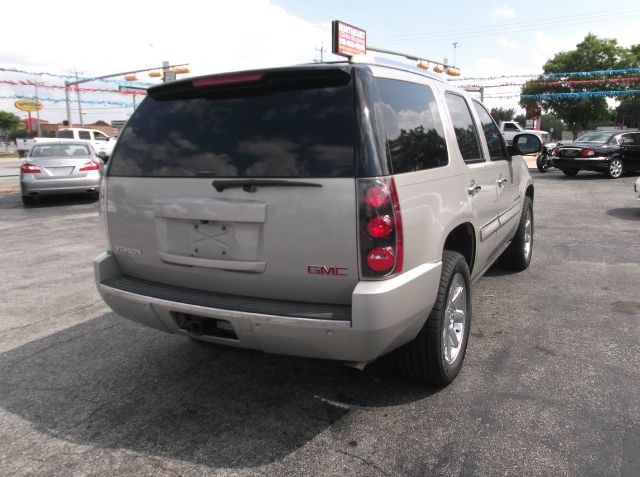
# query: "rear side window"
285,133
465,129
413,128
84,135
491,133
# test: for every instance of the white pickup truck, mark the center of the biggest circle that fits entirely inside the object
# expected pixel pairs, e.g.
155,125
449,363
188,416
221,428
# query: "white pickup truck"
510,128
98,140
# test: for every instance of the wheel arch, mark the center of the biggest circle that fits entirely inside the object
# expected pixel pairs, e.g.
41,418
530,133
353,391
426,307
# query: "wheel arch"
462,239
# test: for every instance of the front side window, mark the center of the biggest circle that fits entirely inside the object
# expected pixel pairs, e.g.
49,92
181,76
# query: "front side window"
491,133
510,127
412,126
465,128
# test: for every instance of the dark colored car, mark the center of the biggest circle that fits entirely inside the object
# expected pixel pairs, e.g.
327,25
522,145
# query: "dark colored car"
612,153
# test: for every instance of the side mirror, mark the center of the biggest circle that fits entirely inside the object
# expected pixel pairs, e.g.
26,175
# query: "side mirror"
525,144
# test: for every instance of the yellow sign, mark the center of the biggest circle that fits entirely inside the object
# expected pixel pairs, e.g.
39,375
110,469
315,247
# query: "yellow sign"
28,104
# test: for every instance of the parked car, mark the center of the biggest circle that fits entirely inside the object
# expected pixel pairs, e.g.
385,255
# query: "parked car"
636,187
612,153
336,211
60,168
96,138
509,130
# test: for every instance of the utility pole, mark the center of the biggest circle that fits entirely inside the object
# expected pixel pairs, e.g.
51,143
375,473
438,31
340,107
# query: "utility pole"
455,45
38,109
321,50
79,102
67,84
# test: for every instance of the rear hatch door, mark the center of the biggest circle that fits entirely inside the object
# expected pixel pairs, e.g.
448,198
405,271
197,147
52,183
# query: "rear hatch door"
241,184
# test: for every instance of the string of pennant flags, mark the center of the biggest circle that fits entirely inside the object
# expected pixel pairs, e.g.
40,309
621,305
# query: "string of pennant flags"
73,77
121,104
74,88
552,75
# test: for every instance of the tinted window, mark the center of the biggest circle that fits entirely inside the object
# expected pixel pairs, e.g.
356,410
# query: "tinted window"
465,129
290,133
84,135
491,133
510,127
413,128
64,134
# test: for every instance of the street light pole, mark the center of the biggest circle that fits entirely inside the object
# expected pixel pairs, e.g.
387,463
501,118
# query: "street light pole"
455,45
79,102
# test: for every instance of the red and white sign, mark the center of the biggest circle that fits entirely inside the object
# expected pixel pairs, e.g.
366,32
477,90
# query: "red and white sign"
348,40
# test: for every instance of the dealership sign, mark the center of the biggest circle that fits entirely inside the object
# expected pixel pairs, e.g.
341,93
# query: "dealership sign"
28,105
348,40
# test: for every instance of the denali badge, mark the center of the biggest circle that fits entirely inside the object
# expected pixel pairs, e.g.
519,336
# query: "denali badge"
130,251
322,270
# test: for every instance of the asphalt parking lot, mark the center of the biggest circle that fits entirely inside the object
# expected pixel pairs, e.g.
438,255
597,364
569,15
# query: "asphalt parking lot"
550,385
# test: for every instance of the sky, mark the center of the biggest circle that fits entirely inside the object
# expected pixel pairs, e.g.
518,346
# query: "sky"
494,38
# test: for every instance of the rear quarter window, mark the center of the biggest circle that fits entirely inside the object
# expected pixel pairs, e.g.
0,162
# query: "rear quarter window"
412,126
290,133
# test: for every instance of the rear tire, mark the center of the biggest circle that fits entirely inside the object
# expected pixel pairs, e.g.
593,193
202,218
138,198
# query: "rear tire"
28,200
542,163
436,355
570,172
517,256
616,168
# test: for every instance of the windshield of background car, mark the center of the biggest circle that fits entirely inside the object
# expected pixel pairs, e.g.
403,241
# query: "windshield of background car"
64,134
58,150
594,137
301,132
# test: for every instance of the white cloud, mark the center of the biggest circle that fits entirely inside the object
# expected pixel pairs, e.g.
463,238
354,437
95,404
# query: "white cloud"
508,43
212,36
504,12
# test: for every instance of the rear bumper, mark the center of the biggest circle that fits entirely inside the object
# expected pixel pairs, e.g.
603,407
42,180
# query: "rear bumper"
384,315
59,185
588,164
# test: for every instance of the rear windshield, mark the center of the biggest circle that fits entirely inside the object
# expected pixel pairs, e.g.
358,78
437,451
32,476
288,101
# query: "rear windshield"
290,133
62,134
596,137
57,150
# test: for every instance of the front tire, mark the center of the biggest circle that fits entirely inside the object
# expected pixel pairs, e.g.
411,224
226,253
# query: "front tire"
616,168
28,200
517,256
436,355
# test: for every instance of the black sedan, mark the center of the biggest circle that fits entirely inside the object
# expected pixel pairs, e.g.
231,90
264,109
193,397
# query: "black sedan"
604,151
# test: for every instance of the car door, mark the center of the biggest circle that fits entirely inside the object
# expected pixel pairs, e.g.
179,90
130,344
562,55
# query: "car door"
630,145
508,180
479,176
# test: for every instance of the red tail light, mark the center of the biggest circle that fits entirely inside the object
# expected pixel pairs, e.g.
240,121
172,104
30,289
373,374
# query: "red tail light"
227,80
556,152
90,166
380,228
587,152
28,168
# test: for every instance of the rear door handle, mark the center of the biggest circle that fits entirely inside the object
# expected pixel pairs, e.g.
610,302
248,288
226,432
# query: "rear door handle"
502,181
473,188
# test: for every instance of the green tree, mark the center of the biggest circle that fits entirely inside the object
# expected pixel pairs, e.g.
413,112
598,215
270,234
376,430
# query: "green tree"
628,112
591,54
101,122
8,123
503,114
551,121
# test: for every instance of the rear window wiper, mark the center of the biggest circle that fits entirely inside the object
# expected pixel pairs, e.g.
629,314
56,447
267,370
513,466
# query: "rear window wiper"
250,185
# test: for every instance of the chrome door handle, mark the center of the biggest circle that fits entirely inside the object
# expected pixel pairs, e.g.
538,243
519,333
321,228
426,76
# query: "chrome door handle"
473,188
502,181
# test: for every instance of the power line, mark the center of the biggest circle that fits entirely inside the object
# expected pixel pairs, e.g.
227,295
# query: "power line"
514,27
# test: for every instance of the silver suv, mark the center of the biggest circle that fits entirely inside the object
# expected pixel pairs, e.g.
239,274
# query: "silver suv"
336,211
